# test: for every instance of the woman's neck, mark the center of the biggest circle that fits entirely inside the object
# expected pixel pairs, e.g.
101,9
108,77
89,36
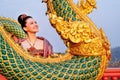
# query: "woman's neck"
31,37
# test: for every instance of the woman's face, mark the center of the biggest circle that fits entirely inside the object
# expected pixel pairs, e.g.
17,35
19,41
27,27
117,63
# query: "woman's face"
31,26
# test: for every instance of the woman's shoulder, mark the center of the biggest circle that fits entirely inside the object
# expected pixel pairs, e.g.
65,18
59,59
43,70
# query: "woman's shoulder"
44,39
41,38
21,40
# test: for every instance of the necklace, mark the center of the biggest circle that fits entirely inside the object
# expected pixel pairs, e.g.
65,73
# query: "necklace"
30,43
32,49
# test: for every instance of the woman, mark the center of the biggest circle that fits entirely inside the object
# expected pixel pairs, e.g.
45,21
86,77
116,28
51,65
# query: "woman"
33,44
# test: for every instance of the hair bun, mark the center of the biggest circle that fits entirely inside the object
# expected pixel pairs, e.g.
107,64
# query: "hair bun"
21,18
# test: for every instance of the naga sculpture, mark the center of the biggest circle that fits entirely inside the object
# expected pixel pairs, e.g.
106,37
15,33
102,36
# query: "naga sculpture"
86,57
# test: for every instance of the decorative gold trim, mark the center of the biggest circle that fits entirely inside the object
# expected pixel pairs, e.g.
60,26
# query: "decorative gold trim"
84,17
103,66
50,7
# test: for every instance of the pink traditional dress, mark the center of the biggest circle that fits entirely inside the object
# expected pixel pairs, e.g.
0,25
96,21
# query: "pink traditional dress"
45,52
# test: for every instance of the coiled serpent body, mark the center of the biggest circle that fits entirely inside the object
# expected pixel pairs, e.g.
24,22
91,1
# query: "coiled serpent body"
84,59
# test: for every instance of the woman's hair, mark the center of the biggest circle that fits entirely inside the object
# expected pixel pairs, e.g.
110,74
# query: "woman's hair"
22,19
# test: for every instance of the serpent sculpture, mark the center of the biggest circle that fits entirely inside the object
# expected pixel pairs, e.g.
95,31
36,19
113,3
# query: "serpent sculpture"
86,57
